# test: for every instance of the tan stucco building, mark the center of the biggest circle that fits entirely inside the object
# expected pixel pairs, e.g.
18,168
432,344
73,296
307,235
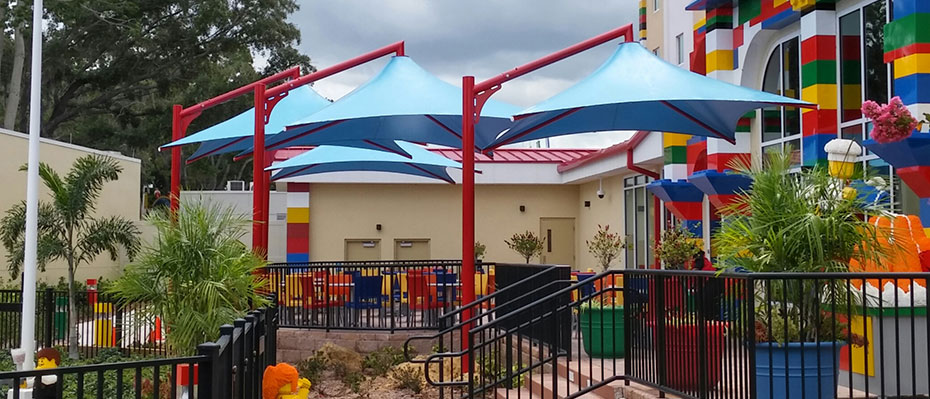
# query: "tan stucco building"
553,192
122,197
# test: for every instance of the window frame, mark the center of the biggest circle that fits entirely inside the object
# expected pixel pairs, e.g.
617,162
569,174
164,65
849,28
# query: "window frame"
777,46
680,43
894,183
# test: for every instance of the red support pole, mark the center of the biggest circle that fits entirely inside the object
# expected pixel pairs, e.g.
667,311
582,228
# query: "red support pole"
177,133
266,201
258,172
468,205
657,221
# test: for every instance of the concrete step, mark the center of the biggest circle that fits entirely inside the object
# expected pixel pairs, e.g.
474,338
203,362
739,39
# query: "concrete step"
516,393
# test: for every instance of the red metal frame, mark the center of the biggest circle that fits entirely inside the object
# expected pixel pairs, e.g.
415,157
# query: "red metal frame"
264,101
474,95
182,118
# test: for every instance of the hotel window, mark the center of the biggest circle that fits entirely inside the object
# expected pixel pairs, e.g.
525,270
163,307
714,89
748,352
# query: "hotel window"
639,222
680,43
865,76
781,126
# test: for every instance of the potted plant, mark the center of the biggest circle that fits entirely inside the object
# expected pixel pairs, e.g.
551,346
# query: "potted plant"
479,251
601,317
797,222
677,247
527,244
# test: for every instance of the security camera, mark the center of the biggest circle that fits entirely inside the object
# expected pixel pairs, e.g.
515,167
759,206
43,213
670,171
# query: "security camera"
600,188
600,193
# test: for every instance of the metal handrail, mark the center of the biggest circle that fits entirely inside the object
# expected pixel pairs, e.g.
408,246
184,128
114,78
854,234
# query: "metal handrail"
478,316
469,320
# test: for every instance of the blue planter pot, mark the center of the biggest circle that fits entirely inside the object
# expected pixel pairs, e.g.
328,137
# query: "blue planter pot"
780,374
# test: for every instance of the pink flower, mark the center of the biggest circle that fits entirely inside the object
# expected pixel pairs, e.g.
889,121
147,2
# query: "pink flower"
891,122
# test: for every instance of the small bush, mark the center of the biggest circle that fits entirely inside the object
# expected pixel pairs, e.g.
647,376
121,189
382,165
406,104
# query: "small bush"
381,360
408,376
312,368
354,381
341,361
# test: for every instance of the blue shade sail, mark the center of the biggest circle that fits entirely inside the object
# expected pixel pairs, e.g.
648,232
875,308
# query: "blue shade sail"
403,102
235,134
329,158
635,90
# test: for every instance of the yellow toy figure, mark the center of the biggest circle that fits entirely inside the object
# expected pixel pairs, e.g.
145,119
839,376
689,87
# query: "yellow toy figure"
281,381
47,386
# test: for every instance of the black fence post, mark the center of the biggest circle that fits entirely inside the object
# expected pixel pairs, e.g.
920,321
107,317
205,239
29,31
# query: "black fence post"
659,314
49,317
209,374
750,317
271,336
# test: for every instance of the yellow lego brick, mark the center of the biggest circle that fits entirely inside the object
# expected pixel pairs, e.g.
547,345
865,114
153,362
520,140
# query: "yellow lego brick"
298,215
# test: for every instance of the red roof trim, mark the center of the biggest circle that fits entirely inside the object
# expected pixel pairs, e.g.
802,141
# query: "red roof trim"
613,150
505,155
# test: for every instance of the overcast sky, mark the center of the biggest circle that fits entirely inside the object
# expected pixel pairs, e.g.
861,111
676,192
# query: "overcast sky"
455,38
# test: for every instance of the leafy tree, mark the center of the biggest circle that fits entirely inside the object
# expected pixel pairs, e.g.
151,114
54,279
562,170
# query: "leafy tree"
197,275
527,244
67,228
113,68
605,246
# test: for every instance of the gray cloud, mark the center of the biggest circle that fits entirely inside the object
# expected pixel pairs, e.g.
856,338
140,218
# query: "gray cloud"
455,38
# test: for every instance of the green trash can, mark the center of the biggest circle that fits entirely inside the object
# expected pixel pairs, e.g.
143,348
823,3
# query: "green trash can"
61,317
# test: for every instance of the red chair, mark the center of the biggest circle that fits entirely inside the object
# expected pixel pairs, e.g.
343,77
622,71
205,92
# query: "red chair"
421,291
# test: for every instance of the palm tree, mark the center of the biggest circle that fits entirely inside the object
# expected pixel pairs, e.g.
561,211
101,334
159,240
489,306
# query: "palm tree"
196,276
67,227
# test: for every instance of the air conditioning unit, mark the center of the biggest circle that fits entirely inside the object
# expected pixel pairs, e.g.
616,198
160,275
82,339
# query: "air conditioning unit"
235,185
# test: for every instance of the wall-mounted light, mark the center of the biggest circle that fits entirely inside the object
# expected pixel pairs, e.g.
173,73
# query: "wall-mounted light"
406,244
522,208
378,227
368,244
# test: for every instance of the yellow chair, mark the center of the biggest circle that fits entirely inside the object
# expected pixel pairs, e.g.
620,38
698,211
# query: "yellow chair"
292,291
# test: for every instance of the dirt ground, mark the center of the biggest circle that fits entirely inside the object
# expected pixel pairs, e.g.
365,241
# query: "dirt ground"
372,387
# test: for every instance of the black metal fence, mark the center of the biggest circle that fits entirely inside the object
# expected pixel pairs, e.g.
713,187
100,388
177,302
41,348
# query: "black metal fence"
231,367
706,335
370,295
102,322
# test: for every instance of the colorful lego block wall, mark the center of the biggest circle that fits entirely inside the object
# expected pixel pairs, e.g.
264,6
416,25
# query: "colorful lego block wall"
818,83
642,19
907,46
298,222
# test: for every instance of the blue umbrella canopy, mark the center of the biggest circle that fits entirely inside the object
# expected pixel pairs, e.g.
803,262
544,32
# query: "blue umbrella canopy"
235,134
330,158
635,90
403,102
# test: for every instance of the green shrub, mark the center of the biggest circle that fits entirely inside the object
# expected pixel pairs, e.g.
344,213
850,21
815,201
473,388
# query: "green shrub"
312,368
410,377
381,360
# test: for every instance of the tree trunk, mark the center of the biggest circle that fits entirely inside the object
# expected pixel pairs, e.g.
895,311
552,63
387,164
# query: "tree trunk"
72,308
16,81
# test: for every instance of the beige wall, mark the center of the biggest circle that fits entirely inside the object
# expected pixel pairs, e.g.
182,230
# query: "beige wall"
655,27
603,211
341,211
121,197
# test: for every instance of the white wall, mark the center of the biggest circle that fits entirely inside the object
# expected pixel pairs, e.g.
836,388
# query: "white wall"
241,201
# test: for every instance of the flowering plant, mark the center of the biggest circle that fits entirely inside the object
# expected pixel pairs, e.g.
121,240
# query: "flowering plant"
605,246
891,122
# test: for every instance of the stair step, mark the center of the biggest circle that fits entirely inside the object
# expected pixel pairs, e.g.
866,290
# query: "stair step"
516,393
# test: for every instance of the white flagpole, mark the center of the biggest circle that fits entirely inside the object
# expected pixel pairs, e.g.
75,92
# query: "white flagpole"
27,334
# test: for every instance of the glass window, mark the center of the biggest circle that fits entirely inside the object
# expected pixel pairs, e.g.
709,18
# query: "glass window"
680,43
865,76
655,5
639,222
781,126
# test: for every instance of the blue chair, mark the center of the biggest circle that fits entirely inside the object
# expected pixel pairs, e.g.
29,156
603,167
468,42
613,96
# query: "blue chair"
367,292
445,281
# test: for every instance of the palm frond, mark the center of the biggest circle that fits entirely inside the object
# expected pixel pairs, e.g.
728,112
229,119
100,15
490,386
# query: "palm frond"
107,234
197,275
84,183
13,230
